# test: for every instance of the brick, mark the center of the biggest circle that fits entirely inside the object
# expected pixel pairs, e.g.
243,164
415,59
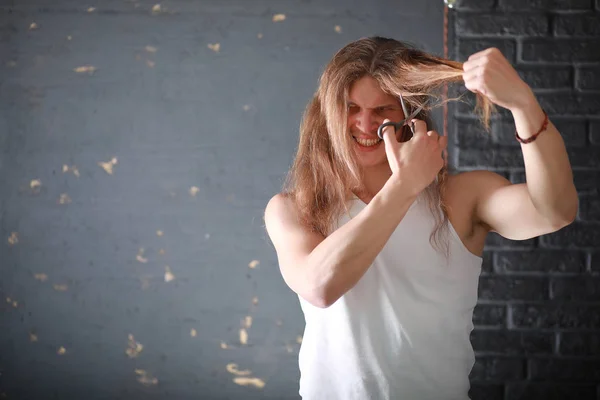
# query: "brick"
576,235
560,50
587,181
579,344
588,157
595,263
467,47
553,315
501,24
502,287
546,77
587,78
549,391
520,5
589,207
489,315
489,158
577,25
564,370
540,261
466,107
474,4
503,133
518,177
470,133
487,266
512,342
595,135
557,104
575,288
494,240
482,391
495,368
573,132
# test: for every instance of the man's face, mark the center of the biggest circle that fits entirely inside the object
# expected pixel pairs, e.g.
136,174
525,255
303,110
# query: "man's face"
368,106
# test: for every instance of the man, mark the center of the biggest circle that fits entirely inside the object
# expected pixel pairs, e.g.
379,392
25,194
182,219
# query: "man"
358,228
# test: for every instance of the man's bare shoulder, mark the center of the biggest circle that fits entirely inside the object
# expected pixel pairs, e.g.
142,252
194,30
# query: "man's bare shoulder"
280,206
281,215
282,219
467,183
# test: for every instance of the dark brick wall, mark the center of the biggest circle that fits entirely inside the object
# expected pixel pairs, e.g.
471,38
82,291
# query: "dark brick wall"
537,324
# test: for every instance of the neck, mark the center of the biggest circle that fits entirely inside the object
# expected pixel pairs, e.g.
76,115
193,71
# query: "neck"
374,178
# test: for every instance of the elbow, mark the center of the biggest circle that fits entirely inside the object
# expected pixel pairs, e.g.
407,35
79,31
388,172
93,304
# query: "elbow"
320,298
566,217
569,215
318,302
318,294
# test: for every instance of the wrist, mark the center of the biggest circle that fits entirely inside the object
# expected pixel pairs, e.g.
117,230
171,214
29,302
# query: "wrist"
398,187
527,105
530,121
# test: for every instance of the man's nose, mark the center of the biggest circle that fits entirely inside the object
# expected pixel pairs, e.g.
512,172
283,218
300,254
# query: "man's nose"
368,121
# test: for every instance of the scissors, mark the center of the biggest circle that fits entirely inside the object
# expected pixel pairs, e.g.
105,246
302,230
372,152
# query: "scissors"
405,121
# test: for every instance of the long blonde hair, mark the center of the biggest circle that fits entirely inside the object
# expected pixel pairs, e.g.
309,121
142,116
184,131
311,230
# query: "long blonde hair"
325,170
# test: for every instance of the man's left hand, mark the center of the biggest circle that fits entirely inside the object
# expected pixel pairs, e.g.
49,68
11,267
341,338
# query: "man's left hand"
488,72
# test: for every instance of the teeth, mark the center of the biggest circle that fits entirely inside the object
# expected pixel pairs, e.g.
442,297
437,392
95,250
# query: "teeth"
367,142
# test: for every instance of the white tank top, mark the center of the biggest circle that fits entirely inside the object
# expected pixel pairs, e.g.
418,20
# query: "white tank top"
402,332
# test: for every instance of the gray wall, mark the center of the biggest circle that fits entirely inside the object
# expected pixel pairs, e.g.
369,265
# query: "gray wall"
537,323
74,281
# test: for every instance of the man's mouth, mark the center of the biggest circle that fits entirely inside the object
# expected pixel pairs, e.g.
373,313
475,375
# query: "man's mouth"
367,142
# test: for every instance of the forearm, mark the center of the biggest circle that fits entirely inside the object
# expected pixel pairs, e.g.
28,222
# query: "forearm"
547,167
338,262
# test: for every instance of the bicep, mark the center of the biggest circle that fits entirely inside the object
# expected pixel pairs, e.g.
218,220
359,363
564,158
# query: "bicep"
293,242
507,208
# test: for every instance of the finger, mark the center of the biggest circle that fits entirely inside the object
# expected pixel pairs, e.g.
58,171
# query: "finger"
443,142
470,65
419,126
433,135
389,138
474,85
472,74
482,53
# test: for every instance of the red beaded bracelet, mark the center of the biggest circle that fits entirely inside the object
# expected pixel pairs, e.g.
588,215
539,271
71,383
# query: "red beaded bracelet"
532,138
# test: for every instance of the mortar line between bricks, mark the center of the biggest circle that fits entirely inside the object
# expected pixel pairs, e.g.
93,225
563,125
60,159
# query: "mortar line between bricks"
546,63
584,64
550,357
169,12
517,37
535,274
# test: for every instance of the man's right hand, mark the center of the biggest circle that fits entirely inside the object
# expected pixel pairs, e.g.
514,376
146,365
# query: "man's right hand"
418,160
